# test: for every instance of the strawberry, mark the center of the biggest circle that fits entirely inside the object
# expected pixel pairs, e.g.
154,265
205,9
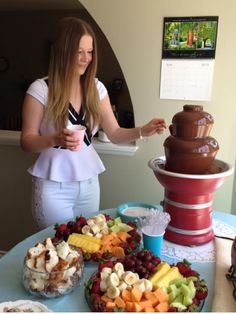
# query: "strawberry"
96,257
193,308
105,264
70,224
201,293
137,237
133,233
132,245
96,287
55,240
98,304
107,255
108,217
192,273
201,289
82,220
172,309
62,228
76,227
132,224
195,301
184,267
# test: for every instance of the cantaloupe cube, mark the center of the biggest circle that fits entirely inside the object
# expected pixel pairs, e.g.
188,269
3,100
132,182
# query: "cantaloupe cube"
123,236
105,298
129,306
136,294
116,241
161,295
149,295
162,307
149,309
126,295
117,251
120,302
106,239
145,303
137,307
110,305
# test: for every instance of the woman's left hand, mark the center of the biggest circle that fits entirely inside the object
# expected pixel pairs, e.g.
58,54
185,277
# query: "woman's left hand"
157,125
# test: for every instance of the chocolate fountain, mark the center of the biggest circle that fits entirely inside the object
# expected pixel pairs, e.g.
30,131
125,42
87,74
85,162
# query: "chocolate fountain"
190,174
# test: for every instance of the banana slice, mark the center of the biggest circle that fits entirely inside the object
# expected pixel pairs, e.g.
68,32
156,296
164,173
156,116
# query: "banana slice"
148,284
89,234
140,285
120,273
102,217
103,285
122,286
106,270
98,235
98,219
102,225
95,229
104,231
90,222
112,292
85,229
113,280
118,266
130,278
104,275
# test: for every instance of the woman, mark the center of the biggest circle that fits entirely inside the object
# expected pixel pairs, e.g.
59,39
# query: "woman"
65,182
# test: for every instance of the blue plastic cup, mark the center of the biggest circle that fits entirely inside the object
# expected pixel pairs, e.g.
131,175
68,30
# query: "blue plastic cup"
153,242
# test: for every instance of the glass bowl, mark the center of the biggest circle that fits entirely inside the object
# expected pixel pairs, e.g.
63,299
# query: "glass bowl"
55,283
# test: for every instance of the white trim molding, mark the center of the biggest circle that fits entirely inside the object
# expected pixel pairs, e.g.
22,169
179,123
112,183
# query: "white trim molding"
12,138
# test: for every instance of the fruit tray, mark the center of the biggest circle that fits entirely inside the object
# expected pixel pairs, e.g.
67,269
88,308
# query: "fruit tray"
100,237
142,282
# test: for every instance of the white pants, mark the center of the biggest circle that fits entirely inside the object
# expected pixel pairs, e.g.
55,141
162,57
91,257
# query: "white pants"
55,202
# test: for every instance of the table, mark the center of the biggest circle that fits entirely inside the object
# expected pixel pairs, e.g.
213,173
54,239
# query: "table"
202,259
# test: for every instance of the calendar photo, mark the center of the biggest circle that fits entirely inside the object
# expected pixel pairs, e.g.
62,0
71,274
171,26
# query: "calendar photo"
189,37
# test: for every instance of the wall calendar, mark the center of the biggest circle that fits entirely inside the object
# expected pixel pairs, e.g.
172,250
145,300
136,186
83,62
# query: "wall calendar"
186,79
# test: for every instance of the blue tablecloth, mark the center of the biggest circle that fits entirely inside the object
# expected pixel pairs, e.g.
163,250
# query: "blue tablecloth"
202,259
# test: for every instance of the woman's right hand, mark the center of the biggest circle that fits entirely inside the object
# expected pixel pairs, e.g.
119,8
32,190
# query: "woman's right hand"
65,139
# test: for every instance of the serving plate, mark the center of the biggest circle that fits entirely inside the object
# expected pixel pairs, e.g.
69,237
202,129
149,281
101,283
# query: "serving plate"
100,300
128,239
23,306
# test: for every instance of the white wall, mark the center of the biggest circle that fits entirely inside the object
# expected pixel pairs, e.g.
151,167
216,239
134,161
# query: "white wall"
134,29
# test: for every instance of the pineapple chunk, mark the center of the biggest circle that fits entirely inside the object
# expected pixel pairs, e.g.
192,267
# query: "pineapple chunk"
164,281
162,268
86,243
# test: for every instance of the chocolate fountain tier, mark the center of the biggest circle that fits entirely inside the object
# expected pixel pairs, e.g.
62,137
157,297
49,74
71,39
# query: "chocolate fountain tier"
192,122
190,156
188,200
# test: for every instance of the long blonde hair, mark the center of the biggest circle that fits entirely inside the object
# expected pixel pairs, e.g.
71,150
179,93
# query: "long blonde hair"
62,72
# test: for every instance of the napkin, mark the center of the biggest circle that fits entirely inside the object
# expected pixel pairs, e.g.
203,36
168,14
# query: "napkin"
223,300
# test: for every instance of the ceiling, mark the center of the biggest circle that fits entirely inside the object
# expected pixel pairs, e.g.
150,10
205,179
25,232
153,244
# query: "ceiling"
29,5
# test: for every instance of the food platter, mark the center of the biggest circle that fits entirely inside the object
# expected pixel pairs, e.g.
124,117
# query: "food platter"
100,237
183,292
23,306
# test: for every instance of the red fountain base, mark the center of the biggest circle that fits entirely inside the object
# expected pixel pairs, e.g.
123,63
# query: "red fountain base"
188,200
